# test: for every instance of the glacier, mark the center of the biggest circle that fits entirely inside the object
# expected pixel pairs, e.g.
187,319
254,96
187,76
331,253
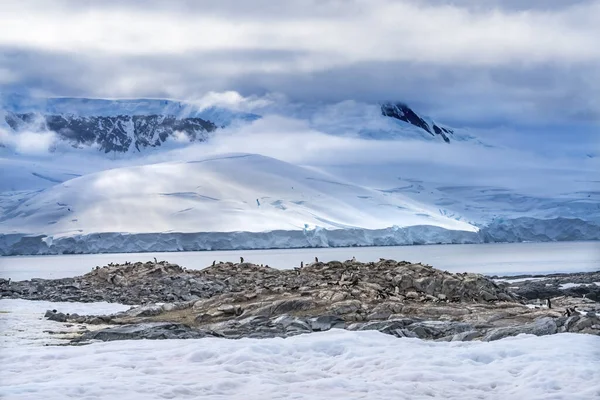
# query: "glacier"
278,174
517,230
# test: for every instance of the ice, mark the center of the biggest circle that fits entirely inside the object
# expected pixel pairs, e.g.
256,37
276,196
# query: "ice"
114,242
328,365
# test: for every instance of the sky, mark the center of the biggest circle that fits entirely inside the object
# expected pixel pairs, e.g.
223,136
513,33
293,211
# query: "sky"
525,63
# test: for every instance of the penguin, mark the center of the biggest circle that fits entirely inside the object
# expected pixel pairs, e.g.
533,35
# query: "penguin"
548,302
241,260
353,259
569,312
214,262
301,264
316,259
155,260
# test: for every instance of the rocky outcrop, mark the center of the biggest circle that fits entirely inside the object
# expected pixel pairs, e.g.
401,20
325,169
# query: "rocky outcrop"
485,322
402,112
245,300
152,331
138,283
332,282
120,133
532,287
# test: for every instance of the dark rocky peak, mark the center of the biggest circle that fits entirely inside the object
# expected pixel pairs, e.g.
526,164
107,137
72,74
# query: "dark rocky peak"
402,112
118,133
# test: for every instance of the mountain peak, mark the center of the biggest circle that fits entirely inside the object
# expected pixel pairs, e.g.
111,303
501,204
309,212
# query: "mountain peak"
403,112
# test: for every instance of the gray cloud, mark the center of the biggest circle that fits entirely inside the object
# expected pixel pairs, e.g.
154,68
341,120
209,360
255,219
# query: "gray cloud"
463,61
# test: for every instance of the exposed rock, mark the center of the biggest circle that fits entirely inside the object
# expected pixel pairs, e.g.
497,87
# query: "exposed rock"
144,331
584,284
120,133
326,322
246,300
540,327
53,315
404,113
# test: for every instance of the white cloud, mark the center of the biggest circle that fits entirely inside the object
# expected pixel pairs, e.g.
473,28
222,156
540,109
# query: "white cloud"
28,142
232,100
465,60
373,30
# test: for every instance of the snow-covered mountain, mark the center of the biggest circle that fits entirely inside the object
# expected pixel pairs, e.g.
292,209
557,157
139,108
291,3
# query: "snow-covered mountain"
124,126
219,194
270,174
402,112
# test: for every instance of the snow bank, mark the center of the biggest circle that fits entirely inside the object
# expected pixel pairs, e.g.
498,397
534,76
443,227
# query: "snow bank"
329,365
525,229
22,323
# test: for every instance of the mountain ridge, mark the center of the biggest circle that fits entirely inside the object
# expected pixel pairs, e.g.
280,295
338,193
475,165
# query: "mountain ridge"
134,124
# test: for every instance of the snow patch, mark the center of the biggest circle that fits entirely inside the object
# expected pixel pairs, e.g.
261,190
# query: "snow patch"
570,285
23,323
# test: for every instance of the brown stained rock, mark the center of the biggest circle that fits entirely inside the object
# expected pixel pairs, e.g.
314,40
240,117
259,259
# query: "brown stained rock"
246,300
345,307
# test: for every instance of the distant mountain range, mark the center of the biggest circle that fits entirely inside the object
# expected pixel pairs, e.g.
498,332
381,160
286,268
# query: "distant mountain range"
133,125
121,133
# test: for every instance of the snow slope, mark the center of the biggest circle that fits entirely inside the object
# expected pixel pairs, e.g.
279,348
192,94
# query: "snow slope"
220,194
319,174
336,364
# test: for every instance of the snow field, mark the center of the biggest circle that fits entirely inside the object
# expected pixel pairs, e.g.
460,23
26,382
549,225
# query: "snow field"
233,192
328,365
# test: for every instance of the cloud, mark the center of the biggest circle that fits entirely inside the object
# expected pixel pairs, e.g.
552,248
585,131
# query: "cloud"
334,34
232,100
28,142
471,62
379,163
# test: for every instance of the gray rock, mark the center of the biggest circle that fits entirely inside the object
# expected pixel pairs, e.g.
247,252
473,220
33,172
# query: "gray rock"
465,336
152,331
144,311
53,315
540,327
326,322
438,329
345,307
284,306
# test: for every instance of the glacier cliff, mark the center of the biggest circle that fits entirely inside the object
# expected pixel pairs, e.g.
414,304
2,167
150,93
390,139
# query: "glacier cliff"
516,230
